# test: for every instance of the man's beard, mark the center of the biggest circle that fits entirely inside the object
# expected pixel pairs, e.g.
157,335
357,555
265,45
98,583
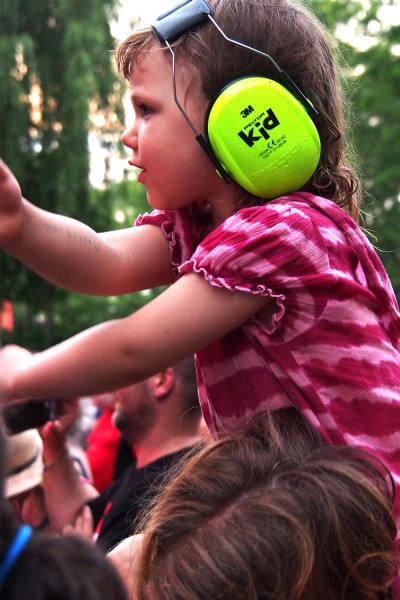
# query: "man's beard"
134,425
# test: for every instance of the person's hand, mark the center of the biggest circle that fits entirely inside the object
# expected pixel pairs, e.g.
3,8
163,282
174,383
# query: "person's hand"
83,525
11,205
12,357
54,433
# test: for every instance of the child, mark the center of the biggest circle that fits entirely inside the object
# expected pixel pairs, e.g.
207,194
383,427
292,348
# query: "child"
283,300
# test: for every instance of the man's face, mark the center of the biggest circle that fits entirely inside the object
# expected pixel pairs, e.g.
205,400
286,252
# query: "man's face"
134,411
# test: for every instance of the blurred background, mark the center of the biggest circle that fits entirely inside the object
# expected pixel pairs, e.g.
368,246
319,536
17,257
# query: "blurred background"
62,111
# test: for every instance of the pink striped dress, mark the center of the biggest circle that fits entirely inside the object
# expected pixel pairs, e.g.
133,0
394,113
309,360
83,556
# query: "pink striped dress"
332,348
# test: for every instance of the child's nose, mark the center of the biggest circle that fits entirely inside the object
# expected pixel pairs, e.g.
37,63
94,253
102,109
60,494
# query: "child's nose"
129,137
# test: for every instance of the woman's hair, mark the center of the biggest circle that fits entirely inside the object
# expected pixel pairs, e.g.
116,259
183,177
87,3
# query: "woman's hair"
260,514
300,45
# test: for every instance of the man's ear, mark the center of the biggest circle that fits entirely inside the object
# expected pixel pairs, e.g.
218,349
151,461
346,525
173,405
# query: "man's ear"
163,383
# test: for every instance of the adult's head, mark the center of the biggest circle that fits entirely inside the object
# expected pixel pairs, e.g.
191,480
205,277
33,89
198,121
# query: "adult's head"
64,567
253,516
104,402
165,405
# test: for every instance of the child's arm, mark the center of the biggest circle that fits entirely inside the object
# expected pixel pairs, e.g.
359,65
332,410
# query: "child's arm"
188,316
69,253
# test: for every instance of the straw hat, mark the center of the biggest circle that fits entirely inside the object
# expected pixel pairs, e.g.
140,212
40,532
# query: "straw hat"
24,462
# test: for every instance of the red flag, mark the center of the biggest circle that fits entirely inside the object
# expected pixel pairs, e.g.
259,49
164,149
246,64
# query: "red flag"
6,316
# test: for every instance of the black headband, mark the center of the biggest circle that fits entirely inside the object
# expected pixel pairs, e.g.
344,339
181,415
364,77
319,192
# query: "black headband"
179,19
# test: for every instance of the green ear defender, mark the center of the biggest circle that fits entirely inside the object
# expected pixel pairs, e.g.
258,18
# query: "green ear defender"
263,137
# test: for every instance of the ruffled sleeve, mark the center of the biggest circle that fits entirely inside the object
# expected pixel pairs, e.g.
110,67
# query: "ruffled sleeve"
177,228
273,250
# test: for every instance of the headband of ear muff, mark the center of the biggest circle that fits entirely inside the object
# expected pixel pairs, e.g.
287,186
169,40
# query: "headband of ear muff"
263,136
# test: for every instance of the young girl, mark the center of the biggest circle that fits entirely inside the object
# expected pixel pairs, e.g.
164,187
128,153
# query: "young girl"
283,300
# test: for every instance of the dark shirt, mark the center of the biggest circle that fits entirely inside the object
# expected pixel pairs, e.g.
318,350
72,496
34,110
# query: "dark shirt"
115,510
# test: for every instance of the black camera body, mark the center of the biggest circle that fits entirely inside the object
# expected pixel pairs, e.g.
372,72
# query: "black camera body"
29,414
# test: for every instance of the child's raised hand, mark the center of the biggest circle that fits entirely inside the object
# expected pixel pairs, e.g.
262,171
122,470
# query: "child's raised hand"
10,205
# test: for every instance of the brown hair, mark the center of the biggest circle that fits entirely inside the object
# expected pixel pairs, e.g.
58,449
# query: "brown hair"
186,373
300,45
261,514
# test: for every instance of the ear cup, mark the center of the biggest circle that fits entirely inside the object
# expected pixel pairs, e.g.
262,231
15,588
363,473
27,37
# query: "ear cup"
263,137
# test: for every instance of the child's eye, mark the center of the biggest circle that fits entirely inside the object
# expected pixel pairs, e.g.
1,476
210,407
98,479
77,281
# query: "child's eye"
144,109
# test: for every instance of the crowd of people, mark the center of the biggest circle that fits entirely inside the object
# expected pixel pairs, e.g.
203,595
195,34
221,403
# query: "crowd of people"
253,418
35,564
254,514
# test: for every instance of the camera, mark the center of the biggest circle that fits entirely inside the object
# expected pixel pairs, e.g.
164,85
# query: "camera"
28,415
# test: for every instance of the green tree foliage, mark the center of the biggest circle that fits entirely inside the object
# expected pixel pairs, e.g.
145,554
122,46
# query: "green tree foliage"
371,66
56,59
378,142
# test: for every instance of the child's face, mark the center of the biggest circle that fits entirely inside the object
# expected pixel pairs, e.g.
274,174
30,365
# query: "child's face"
173,167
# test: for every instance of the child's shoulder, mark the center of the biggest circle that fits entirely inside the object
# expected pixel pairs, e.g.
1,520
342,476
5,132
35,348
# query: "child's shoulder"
299,207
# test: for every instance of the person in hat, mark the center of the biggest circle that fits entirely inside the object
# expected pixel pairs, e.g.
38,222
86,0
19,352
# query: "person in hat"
23,483
25,466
